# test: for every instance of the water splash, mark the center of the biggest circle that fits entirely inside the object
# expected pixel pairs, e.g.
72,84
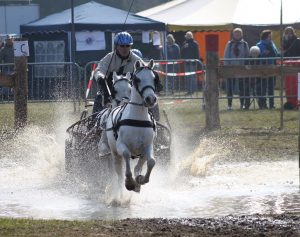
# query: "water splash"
212,180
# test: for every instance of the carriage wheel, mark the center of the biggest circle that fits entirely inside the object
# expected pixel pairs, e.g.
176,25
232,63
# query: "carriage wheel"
162,145
69,157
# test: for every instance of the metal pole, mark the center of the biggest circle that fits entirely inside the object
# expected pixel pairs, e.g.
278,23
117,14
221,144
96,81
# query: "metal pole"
298,89
72,33
73,48
281,71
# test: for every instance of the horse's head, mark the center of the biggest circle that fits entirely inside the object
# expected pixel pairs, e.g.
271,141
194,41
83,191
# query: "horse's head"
145,81
122,87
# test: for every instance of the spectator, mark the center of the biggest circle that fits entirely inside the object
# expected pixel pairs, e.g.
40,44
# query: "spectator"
173,50
237,48
190,50
267,50
258,81
173,53
290,44
7,57
290,48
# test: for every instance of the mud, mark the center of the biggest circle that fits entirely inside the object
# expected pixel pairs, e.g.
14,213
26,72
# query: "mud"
253,225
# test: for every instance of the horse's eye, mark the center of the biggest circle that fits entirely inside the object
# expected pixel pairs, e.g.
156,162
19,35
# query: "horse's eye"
116,92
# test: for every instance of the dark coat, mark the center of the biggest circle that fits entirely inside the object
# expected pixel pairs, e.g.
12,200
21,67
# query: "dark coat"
7,54
190,50
291,47
173,51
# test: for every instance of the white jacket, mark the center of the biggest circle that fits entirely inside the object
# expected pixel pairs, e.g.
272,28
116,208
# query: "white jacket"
112,62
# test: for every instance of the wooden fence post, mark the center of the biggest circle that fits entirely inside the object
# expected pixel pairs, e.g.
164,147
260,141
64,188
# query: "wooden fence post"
211,91
20,91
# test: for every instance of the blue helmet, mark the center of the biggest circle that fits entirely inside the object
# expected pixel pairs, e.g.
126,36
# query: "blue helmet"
137,52
123,38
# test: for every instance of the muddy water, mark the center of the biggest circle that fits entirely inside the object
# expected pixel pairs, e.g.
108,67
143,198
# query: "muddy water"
33,184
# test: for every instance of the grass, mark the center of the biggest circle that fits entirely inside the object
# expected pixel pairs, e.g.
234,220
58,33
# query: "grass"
46,228
258,130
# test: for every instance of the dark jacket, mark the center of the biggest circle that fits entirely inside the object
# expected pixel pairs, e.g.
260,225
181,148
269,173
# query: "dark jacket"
291,47
190,50
173,51
7,54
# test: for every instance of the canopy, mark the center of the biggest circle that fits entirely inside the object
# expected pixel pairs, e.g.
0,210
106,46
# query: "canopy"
219,15
93,16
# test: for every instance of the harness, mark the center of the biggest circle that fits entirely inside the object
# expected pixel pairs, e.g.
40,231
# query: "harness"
117,120
122,79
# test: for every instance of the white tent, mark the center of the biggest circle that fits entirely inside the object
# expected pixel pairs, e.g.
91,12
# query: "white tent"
219,15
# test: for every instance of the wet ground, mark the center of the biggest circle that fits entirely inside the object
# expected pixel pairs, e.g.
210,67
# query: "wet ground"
255,225
233,196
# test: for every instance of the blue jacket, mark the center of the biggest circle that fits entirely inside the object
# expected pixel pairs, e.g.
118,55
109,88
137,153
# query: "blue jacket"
267,50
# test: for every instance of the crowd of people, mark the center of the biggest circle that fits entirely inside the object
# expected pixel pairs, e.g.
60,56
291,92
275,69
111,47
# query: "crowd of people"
237,52
189,50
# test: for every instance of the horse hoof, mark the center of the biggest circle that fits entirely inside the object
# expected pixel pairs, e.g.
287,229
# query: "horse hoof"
130,187
139,179
137,189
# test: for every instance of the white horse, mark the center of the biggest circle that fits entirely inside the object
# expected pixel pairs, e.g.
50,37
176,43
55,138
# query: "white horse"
130,129
121,93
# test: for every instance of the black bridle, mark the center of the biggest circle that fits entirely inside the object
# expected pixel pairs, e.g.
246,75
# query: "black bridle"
115,92
136,81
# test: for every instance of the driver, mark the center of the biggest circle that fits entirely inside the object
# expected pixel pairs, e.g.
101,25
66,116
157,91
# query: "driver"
121,60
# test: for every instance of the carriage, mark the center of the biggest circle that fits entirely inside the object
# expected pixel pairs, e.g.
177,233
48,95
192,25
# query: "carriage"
82,154
81,147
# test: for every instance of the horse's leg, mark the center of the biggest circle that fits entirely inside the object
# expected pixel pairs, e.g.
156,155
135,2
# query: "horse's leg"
130,183
119,170
150,164
139,166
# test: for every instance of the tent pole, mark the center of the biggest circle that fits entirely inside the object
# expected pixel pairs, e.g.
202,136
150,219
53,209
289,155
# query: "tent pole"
73,51
72,33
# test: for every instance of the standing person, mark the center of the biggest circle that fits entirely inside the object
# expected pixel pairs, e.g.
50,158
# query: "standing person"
290,48
190,50
173,53
6,57
173,50
237,48
268,50
257,82
291,43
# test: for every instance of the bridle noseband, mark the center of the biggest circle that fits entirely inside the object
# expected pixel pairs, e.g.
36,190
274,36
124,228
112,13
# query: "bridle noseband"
136,80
